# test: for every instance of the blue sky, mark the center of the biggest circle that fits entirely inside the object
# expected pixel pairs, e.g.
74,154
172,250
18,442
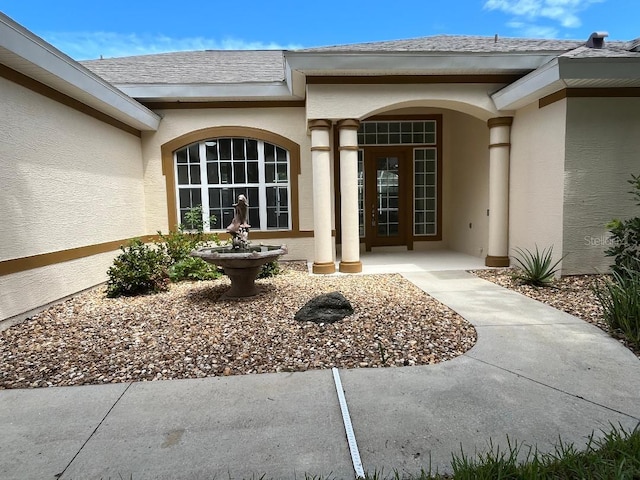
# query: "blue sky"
87,29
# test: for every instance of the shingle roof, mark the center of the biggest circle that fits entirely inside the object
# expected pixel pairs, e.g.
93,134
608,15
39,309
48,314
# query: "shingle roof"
209,66
455,43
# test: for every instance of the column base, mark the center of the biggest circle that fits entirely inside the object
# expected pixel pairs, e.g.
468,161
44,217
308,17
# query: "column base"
323,268
491,261
350,267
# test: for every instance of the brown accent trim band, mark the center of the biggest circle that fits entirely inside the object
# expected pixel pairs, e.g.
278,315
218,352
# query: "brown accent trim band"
496,145
407,79
553,98
171,146
319,123
353,148
491,261
56,96
500,122
325,268
320,148
177,105
589,93
349,123
15,265
350,267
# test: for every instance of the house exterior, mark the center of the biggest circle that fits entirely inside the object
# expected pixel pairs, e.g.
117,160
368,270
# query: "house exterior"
472,144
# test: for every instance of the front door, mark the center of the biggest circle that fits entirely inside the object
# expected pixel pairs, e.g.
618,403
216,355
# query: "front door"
386,191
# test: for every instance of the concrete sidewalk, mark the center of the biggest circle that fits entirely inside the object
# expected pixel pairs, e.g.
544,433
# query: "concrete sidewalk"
534,375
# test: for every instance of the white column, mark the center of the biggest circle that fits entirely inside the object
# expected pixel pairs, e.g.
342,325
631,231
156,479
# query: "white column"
350,261
499,157
323,261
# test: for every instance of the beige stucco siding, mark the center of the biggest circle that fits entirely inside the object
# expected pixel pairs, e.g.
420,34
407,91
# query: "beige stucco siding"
287,122
536,178
68,180
361,101
603,150
466,183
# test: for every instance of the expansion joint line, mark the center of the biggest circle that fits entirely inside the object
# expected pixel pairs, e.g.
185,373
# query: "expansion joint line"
348,427
58,475
555,388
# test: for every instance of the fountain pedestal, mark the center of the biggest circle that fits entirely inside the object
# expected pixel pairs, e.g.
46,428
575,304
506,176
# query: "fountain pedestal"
241,265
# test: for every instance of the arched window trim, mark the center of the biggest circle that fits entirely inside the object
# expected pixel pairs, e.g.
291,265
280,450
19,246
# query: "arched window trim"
168,149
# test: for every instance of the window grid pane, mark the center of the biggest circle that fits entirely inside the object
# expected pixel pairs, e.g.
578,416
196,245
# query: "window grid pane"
425,192
233,167
397,133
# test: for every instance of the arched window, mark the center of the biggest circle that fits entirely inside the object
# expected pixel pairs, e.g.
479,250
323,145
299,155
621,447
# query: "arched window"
212,173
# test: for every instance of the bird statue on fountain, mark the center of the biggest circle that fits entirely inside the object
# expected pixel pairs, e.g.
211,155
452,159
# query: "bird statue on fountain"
239,228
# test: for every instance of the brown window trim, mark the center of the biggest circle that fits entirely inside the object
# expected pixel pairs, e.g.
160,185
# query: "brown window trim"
168,149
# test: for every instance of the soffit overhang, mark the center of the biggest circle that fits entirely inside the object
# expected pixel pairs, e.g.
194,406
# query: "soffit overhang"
415,63
270,91
29,55
566,72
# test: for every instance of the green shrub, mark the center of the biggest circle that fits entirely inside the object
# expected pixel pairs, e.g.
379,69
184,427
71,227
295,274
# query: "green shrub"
193,268
270,269
536,268
178,244
620,300
625,236
138,269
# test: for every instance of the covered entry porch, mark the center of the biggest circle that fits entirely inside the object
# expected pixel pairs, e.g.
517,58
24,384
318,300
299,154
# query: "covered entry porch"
418,179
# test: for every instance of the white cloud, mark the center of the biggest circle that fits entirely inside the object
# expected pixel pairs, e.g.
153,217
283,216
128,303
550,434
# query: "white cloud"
563,12
91,45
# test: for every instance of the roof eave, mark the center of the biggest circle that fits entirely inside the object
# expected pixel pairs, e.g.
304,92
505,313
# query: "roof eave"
564,72
29,55
209,92
419,62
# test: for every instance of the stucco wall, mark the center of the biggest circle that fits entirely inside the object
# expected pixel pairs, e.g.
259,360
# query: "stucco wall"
536,178
68,180
360,101
603,149
466,179
287,122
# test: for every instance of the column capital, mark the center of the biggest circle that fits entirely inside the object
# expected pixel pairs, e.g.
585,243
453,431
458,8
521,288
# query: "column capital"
319,124
500,122
349,123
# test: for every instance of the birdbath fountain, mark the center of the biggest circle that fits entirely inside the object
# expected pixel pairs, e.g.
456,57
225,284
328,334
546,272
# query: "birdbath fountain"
241,261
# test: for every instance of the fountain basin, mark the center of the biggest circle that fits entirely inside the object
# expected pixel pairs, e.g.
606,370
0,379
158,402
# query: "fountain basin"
241,265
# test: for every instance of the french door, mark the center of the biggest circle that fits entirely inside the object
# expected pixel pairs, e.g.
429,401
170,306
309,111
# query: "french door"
387,196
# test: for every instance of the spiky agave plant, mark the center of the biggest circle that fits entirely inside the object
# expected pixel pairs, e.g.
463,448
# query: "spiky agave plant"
535,267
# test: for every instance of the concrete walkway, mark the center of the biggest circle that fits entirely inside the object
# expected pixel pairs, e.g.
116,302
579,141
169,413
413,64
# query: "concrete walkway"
535,374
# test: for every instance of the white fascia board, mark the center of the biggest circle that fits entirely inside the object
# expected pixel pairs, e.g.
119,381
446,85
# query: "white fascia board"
186,92
296,82
420,62
530,87
557,75
32,50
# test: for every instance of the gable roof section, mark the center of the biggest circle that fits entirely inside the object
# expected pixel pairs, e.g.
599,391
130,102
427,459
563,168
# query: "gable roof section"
198,75
27,54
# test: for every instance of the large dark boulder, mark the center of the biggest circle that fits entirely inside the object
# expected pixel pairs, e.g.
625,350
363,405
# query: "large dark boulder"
327,308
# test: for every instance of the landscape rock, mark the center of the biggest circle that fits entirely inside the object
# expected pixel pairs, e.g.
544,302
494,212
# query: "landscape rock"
326,308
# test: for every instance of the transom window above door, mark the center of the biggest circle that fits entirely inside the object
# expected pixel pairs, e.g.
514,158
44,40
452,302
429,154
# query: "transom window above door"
212,173
402,132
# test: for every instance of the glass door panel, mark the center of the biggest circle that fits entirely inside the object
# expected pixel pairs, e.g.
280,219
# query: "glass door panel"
385,216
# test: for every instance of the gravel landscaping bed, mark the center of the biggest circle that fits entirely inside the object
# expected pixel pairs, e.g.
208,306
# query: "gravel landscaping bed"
193,331
572,294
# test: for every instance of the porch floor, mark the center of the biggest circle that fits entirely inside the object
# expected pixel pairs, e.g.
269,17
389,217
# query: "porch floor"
406,261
